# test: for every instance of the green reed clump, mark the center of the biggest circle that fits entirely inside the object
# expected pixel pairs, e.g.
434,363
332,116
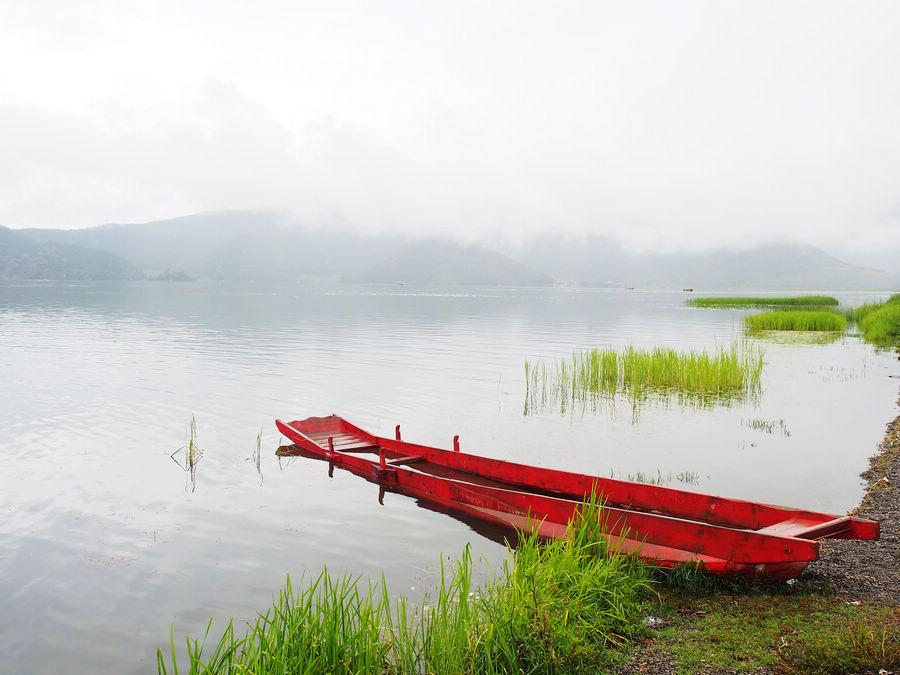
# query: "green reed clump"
879,323
741,301
796,320
729,373
857,314
557,607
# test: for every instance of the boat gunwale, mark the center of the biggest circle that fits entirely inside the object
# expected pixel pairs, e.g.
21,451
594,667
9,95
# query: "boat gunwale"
658,528
697,506
487,469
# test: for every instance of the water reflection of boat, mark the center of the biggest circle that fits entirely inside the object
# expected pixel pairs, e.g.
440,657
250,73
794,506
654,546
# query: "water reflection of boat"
666,526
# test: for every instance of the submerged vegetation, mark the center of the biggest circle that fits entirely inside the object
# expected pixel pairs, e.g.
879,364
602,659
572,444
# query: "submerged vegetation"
557,607
724,375
256,457
738,301
766,426
879,323
799,337
660,478
800,320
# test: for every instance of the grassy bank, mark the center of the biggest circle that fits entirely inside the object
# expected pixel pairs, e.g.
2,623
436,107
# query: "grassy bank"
879,322
740,301
798,320
774,627
729,373
563,606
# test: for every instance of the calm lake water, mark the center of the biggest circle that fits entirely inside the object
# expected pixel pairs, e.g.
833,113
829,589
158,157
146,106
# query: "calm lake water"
103,545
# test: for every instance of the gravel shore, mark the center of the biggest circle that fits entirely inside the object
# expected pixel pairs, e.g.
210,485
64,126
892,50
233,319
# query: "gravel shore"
869,571
857,571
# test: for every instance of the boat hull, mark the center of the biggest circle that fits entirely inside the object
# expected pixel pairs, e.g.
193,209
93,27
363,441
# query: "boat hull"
664,526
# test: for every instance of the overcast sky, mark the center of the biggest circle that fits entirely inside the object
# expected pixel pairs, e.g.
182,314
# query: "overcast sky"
669,124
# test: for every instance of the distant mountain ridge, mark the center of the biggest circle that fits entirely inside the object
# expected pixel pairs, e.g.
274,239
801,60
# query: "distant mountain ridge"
447,263
265,246
602,262
268,246
186,242
22,258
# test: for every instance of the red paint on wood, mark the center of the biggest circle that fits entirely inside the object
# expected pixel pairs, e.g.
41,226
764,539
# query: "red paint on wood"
664,525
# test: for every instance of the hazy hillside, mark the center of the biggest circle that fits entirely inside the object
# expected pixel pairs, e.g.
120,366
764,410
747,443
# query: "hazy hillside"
258,245
186,243
291,252
242,245
448,263
21,258
261,246
570,259
596,261
772,266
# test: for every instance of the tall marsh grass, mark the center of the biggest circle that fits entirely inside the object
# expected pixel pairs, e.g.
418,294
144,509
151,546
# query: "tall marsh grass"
796,320
557,607
741,301
857,314
879,323
727,374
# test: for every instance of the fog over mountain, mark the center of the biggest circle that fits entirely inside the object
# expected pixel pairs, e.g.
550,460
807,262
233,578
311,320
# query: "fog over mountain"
272,246
668,127
443,262
598,261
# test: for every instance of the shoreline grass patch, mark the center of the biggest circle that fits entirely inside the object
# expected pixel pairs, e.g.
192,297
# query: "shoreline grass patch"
796,320
561,606
693,376
879,323
857,314
746,624
746,630
743,301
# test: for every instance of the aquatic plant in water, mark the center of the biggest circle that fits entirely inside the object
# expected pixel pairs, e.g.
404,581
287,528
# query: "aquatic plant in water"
193,453
256,456
798,337
858,313
741,301
683,477
727,374
766,426
558,606
796,321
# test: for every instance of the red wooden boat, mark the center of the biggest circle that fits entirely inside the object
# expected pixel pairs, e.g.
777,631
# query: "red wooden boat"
663,525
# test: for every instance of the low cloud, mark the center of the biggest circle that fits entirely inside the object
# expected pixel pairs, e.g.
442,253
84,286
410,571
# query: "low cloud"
705,126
